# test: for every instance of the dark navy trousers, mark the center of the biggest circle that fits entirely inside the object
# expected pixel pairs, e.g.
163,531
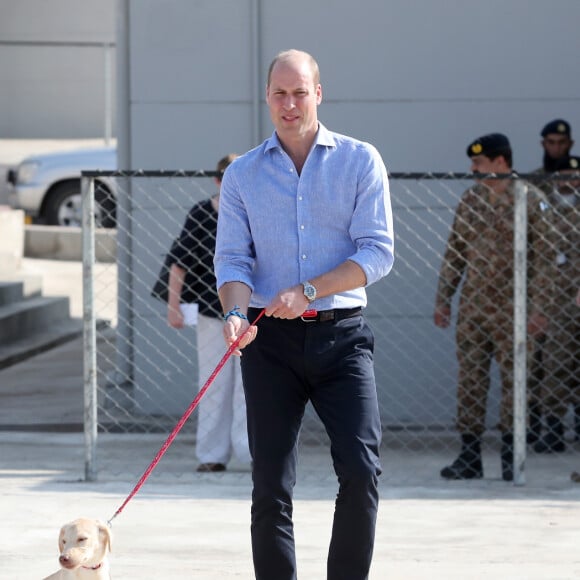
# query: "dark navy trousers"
330,364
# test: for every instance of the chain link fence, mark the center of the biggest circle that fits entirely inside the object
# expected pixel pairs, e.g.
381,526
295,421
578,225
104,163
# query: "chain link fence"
141,375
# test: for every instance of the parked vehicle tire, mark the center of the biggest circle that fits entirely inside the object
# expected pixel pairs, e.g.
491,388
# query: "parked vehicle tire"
62,206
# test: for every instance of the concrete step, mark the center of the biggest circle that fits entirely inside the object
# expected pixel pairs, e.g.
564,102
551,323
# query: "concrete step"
31,323
28,317
41,341
11,292
30,285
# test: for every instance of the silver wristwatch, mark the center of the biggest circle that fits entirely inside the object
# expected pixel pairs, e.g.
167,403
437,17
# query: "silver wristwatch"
309,291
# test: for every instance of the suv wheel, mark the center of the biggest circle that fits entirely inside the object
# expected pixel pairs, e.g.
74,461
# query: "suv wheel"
63,206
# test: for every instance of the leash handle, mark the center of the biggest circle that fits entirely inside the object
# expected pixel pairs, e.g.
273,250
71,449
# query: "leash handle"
184,418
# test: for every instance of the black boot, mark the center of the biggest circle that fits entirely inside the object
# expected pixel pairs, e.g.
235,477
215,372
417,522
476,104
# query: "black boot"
507,457
535,423
553,440
468,464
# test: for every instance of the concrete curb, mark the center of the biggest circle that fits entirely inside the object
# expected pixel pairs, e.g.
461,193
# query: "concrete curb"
65,243
11,239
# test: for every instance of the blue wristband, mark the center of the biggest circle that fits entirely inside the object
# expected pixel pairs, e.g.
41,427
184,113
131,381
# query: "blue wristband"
235,311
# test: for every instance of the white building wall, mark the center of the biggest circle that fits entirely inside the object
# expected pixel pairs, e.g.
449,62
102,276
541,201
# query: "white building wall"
417,78
52,68
420,79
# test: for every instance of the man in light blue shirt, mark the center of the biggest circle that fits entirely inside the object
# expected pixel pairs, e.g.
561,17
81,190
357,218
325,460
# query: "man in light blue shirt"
305,224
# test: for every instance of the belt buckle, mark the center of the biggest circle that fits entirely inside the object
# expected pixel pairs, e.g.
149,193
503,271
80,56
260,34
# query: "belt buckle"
309,315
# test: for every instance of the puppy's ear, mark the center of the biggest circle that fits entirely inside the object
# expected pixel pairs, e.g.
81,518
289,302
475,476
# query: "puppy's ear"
105,534
61,539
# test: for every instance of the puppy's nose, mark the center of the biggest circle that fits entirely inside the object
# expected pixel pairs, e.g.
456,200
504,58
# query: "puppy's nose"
63,559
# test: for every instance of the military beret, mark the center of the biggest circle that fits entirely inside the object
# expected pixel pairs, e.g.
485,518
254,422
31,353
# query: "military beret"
558,126
490,145
568,163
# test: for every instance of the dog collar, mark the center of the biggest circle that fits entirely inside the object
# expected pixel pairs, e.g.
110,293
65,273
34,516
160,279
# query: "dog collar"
93,567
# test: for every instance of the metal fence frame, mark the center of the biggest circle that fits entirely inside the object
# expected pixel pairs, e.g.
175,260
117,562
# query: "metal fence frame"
90,320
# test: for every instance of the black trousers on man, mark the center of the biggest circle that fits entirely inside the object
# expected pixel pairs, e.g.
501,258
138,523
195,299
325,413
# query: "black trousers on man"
330,364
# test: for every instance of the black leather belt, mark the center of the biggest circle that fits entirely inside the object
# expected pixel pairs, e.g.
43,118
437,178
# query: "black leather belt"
317,315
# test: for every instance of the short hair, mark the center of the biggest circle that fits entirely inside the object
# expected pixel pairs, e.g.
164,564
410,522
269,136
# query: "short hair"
286,55
223,163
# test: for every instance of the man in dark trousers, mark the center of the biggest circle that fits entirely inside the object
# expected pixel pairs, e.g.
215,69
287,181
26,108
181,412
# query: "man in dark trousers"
305,224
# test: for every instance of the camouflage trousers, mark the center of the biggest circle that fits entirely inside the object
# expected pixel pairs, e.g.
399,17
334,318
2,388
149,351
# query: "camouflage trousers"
480,340
561,361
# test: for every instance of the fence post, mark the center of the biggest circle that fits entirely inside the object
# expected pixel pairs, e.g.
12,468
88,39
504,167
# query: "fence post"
89,328
520,330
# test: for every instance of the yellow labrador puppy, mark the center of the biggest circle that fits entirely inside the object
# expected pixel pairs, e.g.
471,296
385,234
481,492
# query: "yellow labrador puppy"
84,545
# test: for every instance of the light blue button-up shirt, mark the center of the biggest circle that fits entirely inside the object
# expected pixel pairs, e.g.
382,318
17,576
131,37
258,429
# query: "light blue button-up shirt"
277,228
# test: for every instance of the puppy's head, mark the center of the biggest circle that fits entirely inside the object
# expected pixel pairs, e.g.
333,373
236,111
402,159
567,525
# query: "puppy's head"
83,542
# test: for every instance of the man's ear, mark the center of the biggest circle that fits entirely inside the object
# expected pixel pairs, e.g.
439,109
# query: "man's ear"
501,164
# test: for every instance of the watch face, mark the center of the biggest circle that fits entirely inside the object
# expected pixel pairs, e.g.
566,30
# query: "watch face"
309,291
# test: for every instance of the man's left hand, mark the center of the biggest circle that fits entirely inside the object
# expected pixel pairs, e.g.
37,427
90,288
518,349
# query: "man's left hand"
288,304
537,325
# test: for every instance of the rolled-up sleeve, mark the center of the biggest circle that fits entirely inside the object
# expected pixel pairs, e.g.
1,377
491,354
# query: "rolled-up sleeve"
372,221
234,257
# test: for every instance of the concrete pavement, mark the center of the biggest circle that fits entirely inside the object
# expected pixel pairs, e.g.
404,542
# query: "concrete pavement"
187,525
199,528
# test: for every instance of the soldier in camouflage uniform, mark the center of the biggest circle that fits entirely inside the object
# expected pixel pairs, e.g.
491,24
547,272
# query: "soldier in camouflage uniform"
480,253
556,143
561,352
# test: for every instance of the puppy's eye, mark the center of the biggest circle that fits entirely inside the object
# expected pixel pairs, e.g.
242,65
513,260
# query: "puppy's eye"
82,539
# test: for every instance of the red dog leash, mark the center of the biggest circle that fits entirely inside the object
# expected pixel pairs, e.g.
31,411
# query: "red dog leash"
184,418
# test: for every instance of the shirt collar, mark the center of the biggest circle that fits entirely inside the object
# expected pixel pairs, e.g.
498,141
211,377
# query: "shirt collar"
323,137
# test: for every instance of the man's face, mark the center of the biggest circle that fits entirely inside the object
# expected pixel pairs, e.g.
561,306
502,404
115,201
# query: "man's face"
483,164
556,146
293,98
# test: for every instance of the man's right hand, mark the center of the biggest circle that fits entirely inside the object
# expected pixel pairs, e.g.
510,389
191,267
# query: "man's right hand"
442,316
235,327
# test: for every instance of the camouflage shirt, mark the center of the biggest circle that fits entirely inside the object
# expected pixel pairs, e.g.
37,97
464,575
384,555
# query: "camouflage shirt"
480,250
543,181
564,270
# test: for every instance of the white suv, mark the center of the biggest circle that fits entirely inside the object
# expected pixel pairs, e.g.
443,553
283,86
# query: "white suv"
48,186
